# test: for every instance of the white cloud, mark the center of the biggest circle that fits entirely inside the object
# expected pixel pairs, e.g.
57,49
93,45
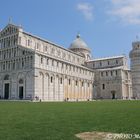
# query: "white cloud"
127,11
86,9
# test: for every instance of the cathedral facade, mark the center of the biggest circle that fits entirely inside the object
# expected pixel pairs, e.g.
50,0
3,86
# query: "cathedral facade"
32,68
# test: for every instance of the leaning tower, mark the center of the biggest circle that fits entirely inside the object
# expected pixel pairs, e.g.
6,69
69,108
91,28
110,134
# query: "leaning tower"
135,68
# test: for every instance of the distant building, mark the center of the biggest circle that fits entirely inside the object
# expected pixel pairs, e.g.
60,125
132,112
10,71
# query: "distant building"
112,78
36,69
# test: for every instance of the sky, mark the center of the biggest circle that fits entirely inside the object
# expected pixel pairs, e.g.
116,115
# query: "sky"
108,26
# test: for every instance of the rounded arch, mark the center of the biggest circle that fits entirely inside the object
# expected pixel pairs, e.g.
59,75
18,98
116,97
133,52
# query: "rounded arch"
7,77
21,76
47,74
20,81
41,73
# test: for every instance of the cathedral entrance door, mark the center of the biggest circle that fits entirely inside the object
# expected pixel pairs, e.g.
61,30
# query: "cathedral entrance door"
113,94
6,91
21,92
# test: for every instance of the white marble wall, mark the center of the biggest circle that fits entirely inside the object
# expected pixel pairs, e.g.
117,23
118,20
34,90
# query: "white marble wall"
113,80
59,87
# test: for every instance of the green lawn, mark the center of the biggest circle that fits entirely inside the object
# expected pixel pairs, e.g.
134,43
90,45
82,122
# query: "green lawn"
61,121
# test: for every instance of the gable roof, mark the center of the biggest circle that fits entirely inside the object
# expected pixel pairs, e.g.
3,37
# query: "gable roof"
10,25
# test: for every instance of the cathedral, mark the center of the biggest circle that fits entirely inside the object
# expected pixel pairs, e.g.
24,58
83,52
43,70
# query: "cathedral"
32,68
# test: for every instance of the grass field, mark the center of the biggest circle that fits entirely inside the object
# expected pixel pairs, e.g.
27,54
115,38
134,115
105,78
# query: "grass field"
61,121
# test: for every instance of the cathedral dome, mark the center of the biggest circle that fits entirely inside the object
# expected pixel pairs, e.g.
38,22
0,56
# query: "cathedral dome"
78,43
80,47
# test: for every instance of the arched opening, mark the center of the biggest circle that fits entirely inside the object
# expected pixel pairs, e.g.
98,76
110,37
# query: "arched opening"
6,87
21,89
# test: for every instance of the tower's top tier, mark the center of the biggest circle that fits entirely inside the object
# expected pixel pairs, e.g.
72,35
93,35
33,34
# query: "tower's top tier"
135,52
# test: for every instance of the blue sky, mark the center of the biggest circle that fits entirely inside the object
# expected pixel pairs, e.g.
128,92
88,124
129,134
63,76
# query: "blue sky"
107,26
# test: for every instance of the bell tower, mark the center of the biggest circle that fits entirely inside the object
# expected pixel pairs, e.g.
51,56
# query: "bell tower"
135,68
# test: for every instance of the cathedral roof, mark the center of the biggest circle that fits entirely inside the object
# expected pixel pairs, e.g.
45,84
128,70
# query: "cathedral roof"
78,43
